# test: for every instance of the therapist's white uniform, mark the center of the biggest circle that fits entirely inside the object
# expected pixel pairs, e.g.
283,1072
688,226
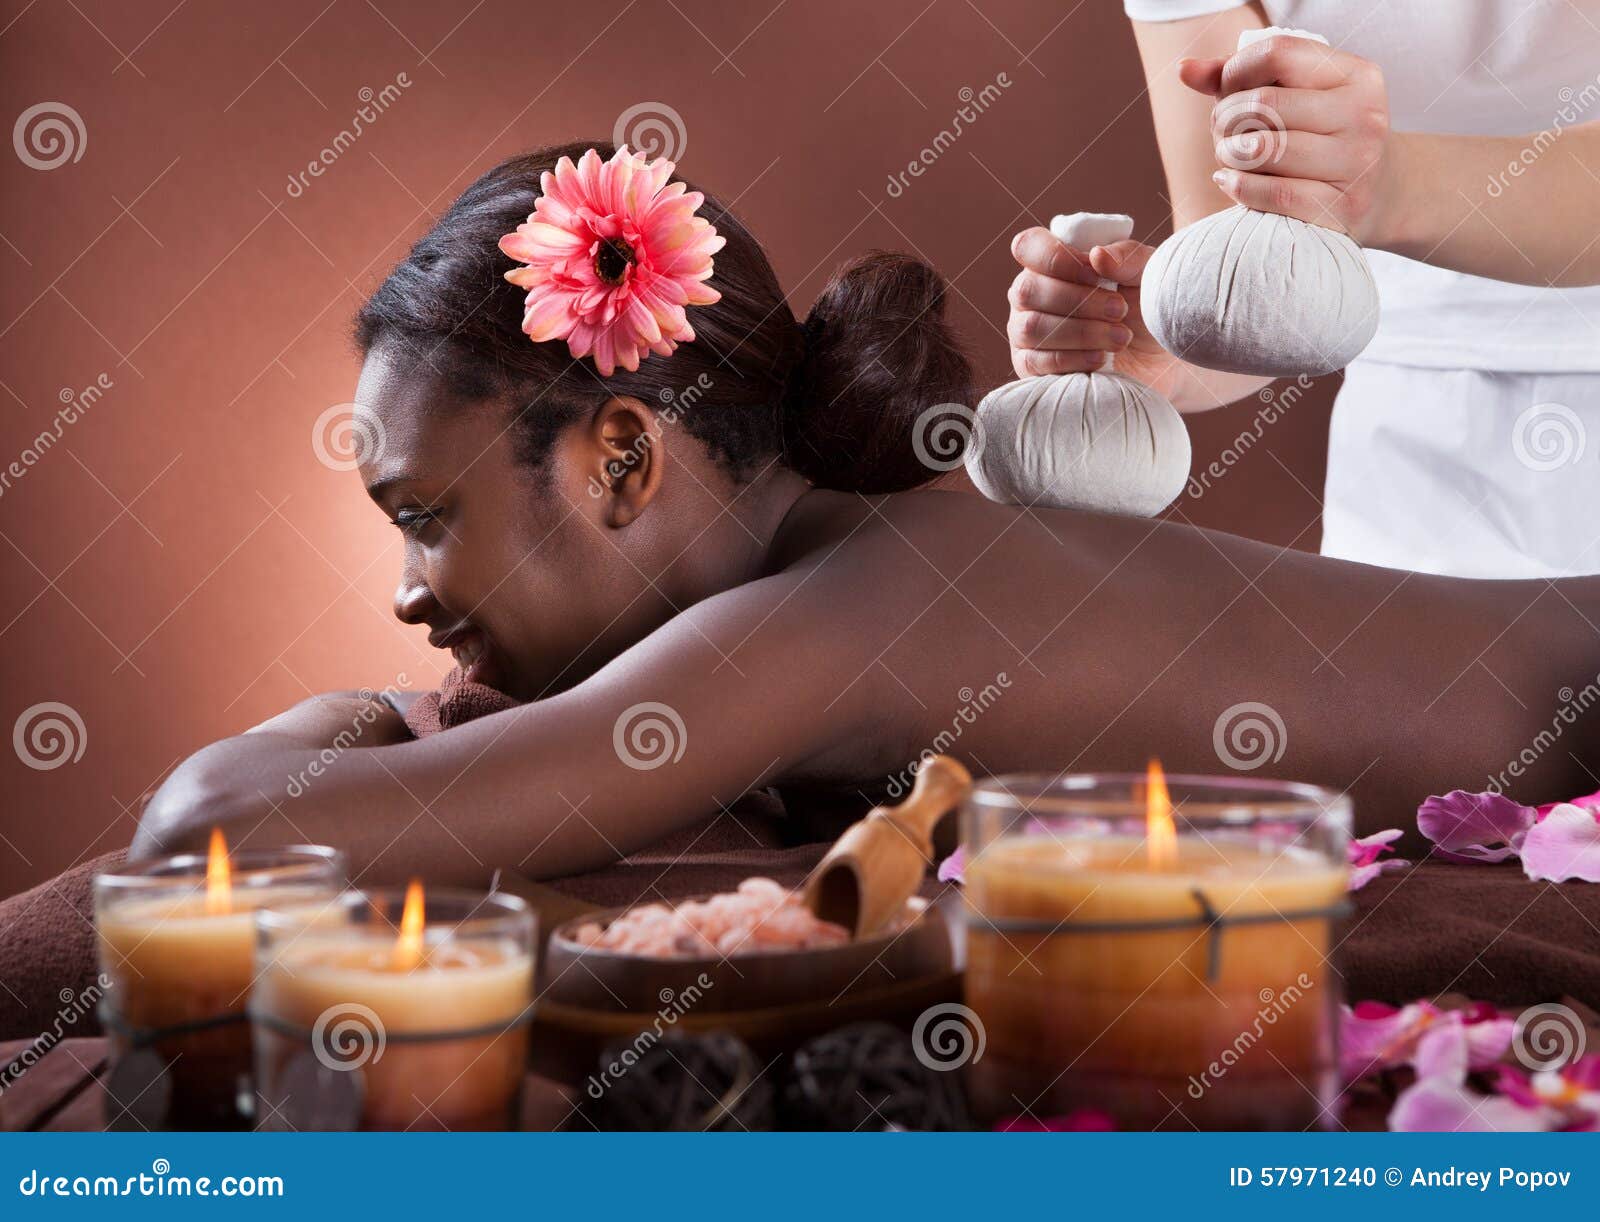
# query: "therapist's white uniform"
1466,438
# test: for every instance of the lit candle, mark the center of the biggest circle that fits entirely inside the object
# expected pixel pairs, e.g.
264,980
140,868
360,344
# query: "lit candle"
1097,977
177,942
366,1021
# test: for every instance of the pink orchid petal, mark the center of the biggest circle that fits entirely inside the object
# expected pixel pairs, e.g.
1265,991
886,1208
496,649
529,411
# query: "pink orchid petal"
1360,876
1364,854
1474,826
953,868
1487,1041
1434,1105
1564,845
1589,802
1374,1036
1442,1051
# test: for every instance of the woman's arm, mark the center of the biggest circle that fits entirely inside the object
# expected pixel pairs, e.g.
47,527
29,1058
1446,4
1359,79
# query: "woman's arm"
669,732
331,722
1516,208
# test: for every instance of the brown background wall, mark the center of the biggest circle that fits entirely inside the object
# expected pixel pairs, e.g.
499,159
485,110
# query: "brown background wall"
181,564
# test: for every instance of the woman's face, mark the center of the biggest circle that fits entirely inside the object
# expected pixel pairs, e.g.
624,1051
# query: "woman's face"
515,572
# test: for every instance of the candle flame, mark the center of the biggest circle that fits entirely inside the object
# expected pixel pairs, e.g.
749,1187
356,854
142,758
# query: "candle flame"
219,876
408,946
1161,834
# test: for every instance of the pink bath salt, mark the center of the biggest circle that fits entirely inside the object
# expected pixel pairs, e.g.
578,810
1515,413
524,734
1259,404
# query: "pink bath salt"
764,888
760,916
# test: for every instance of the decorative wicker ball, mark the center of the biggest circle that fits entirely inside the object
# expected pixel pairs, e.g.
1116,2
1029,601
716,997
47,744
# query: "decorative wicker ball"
867,1076
709,1082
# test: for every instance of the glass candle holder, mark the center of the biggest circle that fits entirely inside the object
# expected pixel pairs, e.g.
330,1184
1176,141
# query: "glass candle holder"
178,950
1161,978
376,1014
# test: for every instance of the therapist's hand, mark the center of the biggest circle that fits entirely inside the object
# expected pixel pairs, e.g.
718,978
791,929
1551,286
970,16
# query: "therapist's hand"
1303,130
1063,322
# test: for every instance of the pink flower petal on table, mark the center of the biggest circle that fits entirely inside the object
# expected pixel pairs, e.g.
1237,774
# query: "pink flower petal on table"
1475,826
1360,876
1374,1036
1442,1051
1564,845
1589,801
1437,1105
953,868
1487,1041
1364,855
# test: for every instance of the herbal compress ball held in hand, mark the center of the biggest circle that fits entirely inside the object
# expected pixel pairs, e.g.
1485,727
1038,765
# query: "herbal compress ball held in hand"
1258,293
1081,440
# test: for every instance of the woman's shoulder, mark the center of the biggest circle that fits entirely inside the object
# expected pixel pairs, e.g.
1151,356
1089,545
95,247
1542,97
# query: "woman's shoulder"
927,529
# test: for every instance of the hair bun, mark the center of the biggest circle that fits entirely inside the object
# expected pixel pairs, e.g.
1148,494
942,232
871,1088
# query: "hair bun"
878,353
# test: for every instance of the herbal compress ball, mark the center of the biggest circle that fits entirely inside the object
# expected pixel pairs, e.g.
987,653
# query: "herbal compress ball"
1258,293
1081,440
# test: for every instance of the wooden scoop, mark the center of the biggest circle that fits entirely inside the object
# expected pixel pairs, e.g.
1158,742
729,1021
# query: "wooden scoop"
876,866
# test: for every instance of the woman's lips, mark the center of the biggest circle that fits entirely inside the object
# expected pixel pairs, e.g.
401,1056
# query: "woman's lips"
472,654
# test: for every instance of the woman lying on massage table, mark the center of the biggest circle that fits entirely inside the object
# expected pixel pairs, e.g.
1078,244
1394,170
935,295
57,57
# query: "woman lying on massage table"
686,542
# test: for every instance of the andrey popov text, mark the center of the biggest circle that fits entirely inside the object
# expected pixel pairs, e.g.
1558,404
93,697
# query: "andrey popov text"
1479,1180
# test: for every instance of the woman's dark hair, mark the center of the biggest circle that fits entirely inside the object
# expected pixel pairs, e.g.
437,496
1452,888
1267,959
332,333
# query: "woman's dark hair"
836,400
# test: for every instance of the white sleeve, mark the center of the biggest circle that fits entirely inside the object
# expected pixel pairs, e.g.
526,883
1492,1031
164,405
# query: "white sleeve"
1175,10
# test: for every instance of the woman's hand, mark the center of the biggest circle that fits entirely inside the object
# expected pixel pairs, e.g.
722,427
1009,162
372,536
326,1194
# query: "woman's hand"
1063,322
1301,129
205,791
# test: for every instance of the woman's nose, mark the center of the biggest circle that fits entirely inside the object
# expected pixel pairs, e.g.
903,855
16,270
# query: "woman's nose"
413,601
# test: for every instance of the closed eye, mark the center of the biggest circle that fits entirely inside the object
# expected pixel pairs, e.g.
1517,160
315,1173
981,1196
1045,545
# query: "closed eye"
411,521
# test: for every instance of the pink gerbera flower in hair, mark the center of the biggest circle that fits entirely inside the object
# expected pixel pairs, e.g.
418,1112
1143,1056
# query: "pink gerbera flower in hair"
613,254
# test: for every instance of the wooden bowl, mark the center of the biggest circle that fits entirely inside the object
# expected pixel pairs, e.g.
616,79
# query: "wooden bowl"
773,1000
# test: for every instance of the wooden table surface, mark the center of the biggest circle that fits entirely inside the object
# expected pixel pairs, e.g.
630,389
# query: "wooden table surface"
61,1090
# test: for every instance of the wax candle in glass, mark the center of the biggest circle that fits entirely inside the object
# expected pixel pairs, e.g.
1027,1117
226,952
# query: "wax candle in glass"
177,944
1155,949
394,1011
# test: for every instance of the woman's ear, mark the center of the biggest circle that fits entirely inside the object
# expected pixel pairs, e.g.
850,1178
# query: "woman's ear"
626,443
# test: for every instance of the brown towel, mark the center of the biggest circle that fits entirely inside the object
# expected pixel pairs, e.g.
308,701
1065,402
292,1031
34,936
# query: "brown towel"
1486,931
455,703
48,960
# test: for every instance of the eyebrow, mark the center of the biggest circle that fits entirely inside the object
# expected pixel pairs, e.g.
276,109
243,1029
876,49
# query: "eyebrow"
378,487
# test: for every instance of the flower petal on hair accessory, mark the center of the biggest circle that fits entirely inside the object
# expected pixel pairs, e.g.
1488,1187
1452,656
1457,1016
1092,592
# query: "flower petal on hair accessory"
612,254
